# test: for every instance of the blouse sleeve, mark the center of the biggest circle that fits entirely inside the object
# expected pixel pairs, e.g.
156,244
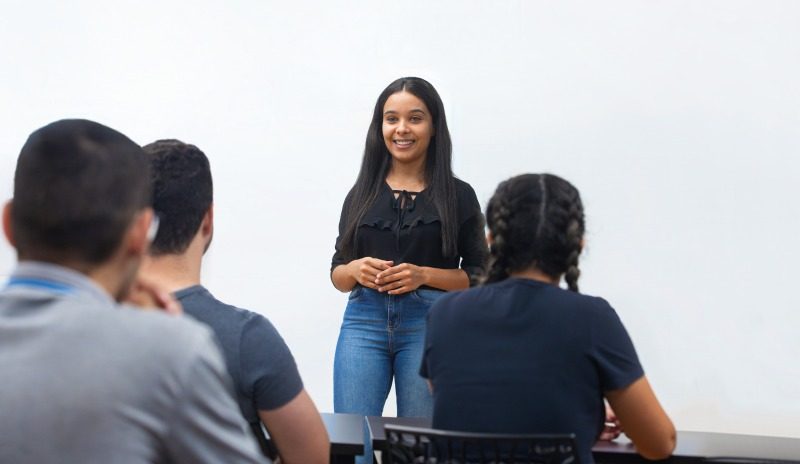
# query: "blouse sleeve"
339,255
472,246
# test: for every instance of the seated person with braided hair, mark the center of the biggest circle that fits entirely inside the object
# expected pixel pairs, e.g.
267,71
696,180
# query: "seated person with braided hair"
519,354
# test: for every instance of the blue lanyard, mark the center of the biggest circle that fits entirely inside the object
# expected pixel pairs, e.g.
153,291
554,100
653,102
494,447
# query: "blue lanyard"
43,284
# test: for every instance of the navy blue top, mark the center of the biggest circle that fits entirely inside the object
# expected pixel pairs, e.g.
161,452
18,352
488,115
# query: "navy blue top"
408,229
263,370
522,356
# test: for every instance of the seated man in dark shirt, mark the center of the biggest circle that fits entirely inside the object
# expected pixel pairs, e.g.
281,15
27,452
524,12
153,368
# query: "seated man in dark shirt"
267,383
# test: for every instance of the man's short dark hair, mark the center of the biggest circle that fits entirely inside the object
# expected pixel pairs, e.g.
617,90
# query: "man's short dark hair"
77,187
182,193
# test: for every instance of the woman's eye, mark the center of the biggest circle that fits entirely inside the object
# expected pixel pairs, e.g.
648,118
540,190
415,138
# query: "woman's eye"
391,120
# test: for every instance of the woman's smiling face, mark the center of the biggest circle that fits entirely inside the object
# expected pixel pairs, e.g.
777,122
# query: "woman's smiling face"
407,127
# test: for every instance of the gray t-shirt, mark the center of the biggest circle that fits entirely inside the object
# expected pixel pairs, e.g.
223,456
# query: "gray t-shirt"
87,380
263,370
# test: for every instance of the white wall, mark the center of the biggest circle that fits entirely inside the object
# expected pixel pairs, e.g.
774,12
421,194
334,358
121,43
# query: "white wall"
677,120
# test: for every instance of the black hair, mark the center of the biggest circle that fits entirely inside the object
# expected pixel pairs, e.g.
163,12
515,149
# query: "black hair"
77,187
375,165
536,220
182,193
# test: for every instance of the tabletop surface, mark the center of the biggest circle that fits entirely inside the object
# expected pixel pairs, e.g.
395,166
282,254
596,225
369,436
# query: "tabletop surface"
346,432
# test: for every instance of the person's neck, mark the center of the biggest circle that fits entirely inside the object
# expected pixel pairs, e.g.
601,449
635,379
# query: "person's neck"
174,272
407,176
535,274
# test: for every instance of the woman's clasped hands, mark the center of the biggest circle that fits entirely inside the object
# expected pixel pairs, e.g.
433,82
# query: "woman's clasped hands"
385,276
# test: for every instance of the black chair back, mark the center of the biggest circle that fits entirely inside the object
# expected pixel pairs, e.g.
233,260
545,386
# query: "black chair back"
416,445
267,448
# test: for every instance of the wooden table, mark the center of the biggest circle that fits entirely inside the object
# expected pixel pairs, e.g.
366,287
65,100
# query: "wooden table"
692,447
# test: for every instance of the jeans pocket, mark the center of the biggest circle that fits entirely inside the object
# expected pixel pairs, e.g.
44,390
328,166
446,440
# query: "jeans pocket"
427,296
355,292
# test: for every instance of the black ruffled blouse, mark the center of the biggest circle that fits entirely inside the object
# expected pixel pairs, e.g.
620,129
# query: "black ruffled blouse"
407,229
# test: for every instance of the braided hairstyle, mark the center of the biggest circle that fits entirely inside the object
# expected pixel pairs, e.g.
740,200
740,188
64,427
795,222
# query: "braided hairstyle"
536,220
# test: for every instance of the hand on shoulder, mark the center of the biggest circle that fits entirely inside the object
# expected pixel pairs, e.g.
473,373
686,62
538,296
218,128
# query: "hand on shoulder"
148,294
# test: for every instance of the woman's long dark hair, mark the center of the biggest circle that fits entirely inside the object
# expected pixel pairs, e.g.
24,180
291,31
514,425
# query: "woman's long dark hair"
535,220
439,181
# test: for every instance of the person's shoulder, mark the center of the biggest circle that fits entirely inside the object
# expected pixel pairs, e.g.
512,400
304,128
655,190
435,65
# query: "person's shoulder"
256,329
348,199
462,300
200,303
259,324
158,322
468,204
251,321
602,309
463,188
596,303
584,302
157,335
472,293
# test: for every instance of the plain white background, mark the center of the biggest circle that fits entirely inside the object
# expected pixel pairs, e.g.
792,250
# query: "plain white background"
677,120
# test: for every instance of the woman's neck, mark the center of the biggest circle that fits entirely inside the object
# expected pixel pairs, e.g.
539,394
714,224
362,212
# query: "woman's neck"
535,274
407,176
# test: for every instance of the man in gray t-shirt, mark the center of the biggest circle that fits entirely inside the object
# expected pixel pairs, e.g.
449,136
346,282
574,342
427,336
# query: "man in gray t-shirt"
84,378
268,385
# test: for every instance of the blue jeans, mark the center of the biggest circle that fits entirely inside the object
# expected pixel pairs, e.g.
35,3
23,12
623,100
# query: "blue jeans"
382,336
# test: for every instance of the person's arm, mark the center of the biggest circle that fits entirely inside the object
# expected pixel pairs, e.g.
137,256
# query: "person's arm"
612,427
472,244
347,272
643,418
298,431
625,385
270,374
473,248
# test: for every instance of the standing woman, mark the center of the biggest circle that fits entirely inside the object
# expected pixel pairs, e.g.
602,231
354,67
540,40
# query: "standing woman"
409,231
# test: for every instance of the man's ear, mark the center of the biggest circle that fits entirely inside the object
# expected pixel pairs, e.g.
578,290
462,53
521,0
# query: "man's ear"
136,240
207,226
8,230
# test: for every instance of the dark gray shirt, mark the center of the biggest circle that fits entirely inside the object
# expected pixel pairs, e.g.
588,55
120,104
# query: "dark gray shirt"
263,370
87,380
